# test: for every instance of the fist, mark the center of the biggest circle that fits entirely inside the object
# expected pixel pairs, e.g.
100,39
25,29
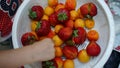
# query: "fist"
45,49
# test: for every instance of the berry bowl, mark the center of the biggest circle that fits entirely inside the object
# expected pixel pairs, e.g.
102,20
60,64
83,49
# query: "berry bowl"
104,24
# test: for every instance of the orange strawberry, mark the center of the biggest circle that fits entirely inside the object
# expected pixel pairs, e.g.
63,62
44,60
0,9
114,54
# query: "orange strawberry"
51,34
70,4
69,23
59,6
52,3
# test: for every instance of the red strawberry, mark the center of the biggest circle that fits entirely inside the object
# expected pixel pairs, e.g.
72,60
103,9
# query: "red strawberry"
1,24
53,19
88,10
36,12
70,52
63,15
6,31
65,33
1,14
5,24
43,28
28,38
93,49
79,35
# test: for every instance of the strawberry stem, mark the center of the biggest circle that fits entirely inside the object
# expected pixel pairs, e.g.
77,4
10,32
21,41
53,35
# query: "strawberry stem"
48,64
62,16
75,33
31,39
32,14
70,42
38,25
88,16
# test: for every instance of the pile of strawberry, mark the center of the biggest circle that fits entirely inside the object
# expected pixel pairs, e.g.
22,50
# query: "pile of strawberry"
67,28
5,24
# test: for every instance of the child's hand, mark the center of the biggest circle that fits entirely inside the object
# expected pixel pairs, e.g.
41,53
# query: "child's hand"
45,49
39,51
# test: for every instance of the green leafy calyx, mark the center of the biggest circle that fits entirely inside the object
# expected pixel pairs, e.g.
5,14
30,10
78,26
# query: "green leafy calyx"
62,16
75,33
32,14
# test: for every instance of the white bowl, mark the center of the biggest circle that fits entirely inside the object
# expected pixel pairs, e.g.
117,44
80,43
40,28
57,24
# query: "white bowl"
104,24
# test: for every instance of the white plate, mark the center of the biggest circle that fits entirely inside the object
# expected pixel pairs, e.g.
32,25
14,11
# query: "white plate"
104,24
5,38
